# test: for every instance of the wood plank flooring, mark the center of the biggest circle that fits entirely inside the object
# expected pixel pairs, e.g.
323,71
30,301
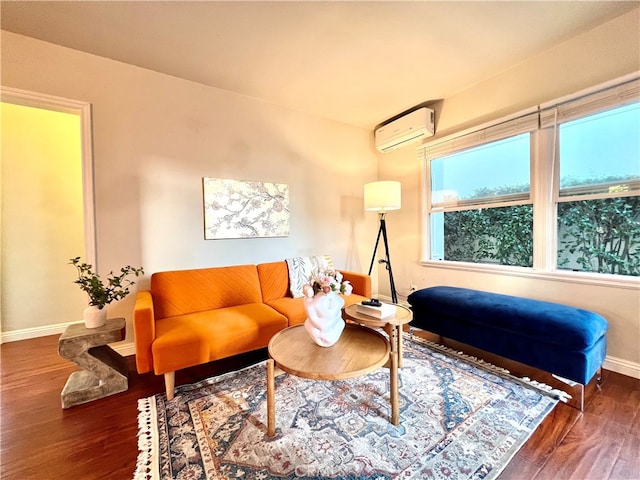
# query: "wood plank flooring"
98,440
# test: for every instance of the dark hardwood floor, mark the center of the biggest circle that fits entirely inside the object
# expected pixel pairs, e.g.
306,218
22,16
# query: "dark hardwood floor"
98,440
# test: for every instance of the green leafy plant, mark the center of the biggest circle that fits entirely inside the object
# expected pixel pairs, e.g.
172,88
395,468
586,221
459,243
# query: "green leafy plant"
600,235
501,236
101,293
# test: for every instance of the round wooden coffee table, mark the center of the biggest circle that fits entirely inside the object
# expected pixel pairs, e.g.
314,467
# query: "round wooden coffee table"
392,325
360,350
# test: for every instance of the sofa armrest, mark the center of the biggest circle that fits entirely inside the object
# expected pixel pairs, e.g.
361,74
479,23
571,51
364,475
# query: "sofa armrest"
144,330
361,282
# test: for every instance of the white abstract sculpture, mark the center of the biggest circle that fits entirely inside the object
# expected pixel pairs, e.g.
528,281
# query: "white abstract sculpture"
324,321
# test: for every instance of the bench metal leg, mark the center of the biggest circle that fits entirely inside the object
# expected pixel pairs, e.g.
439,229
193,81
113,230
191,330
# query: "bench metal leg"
599,379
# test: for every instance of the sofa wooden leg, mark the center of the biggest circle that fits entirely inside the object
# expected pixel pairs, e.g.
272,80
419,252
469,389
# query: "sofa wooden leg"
169,384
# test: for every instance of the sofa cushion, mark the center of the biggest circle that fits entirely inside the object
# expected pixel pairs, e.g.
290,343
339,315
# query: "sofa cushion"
274,280
292,308
556,324
192,339
188,291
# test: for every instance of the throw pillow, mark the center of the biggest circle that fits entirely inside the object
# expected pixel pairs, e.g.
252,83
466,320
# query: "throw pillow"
301,269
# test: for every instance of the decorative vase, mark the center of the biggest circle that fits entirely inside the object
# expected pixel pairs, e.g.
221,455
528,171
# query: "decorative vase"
324,321
94,317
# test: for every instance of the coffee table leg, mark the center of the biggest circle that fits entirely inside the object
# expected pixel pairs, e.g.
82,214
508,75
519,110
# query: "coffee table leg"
271,404
395,414
395,339
399,340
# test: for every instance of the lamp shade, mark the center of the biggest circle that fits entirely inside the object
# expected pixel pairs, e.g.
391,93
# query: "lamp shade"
382,196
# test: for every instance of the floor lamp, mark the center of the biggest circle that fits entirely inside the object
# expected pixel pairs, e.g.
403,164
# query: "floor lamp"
382,197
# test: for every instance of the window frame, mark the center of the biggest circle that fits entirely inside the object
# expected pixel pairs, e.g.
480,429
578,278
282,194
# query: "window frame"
544,183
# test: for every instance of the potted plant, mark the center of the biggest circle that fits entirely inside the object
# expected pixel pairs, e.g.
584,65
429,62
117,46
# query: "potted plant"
101,293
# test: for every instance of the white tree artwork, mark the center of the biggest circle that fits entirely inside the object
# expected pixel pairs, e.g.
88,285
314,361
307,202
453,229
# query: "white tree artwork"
241,209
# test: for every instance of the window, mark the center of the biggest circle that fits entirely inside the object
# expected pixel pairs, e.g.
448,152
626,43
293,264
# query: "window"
484,186
601,153
474,193
598,207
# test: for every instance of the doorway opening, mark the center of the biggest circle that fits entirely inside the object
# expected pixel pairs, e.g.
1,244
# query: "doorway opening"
47,211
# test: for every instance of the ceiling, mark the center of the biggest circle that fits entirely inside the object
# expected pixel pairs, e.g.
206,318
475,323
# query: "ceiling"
358,63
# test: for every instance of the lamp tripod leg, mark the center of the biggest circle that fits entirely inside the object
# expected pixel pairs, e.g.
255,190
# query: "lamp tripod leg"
383,231
375,249
392,285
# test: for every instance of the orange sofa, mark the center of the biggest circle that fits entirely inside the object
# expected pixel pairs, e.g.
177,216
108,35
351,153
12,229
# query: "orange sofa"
191,317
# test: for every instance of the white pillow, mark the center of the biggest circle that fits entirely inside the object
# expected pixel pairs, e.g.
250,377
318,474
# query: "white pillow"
301,269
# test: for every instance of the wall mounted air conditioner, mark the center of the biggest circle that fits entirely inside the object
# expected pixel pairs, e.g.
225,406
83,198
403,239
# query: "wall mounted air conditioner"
407,129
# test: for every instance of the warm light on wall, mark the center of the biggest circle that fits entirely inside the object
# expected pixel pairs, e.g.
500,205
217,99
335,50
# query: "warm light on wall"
42,217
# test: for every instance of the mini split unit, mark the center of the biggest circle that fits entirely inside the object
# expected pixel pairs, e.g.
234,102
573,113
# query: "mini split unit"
405,130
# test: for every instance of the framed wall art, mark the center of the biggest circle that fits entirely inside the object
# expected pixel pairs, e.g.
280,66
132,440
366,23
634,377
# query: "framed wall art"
242,209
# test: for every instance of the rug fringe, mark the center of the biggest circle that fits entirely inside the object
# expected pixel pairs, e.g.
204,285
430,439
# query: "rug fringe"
147,440
541,387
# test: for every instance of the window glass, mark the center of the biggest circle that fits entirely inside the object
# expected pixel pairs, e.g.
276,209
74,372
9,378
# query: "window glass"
601,153
482,174
464,184
600,156
500,236
601,235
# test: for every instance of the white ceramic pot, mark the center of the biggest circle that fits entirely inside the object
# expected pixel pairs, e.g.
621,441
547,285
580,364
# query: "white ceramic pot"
94,317
324,321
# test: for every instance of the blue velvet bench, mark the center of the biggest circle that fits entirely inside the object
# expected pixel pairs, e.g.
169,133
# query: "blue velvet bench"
566,341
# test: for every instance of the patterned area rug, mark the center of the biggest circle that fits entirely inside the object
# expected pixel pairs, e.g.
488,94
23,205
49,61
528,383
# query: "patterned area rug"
459,419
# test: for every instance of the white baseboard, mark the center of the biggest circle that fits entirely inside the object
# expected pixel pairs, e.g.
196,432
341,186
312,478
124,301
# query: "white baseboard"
619,365
34,332
123,348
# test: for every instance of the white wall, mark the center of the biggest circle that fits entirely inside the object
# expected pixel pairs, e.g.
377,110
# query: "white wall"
607,52
156,136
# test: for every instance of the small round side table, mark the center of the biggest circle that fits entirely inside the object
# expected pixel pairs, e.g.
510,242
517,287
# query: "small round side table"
392,325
